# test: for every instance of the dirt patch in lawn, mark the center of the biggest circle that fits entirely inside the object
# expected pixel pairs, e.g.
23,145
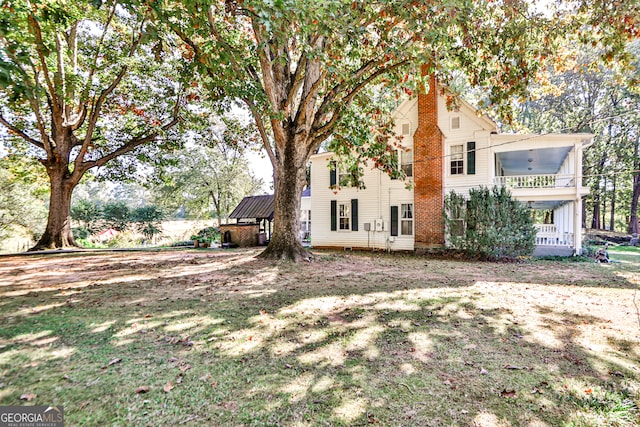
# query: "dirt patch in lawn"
222,338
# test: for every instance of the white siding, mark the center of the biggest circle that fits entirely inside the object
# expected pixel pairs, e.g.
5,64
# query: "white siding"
374,203
472,129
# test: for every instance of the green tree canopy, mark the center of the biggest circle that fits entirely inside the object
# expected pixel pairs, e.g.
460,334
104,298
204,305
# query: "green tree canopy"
299,66
84,83
212,173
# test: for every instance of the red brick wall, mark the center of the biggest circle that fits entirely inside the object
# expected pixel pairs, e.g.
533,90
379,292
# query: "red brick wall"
429,185
243,235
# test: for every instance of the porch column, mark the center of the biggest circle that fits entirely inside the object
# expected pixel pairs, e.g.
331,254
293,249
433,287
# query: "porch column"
577,204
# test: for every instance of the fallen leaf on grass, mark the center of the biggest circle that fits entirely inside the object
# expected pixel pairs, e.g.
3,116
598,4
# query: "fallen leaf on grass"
143,389
168,387
206,377
83,405
183,368
508,393
112,362
588,391
483,371
28,397
518,368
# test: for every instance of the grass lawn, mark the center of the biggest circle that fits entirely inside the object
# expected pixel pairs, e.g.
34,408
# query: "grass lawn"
188,337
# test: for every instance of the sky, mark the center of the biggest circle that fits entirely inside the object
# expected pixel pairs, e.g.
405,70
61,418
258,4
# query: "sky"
261,168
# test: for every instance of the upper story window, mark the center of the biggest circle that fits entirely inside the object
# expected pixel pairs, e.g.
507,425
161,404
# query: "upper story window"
405,128
344,178
339,177
457,159
455,122
406,162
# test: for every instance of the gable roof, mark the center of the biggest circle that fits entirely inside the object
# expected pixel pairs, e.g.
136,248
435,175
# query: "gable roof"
254,207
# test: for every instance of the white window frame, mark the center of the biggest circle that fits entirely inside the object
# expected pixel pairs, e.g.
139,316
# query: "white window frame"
456,160
344,216
305,220
406,217
405,165
339,175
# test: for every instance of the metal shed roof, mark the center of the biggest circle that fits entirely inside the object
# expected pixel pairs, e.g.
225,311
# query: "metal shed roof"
259,207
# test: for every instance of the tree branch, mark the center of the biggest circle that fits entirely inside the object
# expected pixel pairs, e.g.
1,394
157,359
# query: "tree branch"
131,144
40,49
263,132
97,105
21,133
82,106
325,130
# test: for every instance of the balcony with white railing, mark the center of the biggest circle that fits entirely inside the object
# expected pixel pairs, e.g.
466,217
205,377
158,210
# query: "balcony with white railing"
535,181
548,235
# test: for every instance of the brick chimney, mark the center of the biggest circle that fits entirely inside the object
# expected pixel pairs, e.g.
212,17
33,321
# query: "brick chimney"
428,145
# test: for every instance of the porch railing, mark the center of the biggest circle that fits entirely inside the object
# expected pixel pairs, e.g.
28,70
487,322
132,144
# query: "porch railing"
535,181
548,235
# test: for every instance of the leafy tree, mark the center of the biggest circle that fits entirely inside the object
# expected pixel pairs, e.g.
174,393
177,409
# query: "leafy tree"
600,98
22,195
299,66
116,215
147,220
83,83
490,224
211,174
88,214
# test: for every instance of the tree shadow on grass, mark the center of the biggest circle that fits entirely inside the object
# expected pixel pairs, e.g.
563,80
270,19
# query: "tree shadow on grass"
344,341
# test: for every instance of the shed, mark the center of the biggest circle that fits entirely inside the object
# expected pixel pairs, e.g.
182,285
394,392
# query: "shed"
253,216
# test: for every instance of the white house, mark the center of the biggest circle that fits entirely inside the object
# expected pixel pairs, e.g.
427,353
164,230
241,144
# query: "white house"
450,150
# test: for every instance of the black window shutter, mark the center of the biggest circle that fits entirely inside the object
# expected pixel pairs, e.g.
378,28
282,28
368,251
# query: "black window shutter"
354,214
471,158
332,177
334,215
394,220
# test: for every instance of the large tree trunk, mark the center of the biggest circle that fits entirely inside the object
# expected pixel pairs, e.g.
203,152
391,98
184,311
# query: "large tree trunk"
290,178
58,233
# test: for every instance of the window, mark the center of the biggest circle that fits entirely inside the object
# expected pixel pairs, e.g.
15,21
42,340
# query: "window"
406,221
471,158
343,216
406,129
338,176
305,221
455,122
406,162
344,178
457,159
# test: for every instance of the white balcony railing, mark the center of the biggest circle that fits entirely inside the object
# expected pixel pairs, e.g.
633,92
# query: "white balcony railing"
535,181
548,235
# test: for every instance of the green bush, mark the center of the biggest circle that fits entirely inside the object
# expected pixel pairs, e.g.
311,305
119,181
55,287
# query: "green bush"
116,215
209,235
88,213
490,224
147,220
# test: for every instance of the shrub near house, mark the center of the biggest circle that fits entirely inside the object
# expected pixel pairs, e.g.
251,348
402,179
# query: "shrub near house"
490,224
